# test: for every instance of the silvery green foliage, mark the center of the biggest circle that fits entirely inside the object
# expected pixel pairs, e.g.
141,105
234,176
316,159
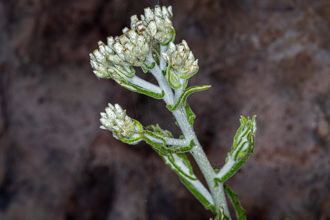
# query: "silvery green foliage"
149,45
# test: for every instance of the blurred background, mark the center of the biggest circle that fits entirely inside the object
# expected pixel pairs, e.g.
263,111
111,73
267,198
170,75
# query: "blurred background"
269,57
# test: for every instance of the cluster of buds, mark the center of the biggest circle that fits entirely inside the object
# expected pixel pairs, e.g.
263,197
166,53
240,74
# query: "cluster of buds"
115,120
116,57
157,22
132,47
99,64
181,60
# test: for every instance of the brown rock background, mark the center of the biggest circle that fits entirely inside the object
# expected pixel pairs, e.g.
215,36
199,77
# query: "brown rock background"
270,58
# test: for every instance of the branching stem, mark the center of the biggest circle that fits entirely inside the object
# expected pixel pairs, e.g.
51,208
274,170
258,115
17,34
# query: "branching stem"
197,151
203,163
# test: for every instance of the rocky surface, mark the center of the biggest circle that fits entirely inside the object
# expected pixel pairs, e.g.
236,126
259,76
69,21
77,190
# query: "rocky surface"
270,58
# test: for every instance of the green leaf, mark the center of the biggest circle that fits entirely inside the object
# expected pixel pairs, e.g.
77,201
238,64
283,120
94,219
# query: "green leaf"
182,99
191,115
131,141
172,78
157,147
140,90
185,84
144,69
189,179
221,214
160,134
180,149
156,129
179,163
179,170
155,55
240,212
242,148
207,205
187,75
128,72
147,67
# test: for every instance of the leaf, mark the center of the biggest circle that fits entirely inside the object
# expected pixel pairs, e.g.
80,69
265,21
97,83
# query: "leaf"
147,67
242,148
159,135
158,130
140,90
155,55
128,72
207,205
159,148
239,210
180,164
191,115
173,78
188,75
221,215
182,99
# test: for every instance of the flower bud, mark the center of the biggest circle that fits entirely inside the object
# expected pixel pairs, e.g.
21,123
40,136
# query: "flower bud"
115,120
181,59
156,23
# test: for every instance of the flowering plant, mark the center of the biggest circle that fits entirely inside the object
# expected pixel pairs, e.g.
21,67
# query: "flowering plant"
149,44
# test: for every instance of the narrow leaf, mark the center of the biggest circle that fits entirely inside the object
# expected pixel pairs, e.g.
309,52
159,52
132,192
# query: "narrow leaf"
240,212
243,146
171,38
172,78
191,115
140,90
180,164
182,99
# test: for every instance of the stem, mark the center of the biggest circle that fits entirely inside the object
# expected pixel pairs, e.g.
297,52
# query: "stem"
157,73
203,163
170,141
197,152
144,84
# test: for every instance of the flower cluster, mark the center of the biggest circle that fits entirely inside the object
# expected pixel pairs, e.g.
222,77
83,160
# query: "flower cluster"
132,47
115,120
181,59
116,57
157,22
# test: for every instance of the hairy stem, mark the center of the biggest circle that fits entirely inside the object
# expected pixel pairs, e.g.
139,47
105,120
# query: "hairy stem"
203,163
144,84
197,152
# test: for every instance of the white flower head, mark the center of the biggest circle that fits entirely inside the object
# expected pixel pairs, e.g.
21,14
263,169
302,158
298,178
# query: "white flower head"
156,23
181,59
103,67
99,64
114,59
121,125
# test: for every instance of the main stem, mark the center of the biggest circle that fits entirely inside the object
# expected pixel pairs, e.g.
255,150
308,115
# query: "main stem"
197,152
203,163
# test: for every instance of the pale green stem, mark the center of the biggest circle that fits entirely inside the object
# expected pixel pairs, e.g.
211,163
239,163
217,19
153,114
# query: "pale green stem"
203,163
144,84
197,152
